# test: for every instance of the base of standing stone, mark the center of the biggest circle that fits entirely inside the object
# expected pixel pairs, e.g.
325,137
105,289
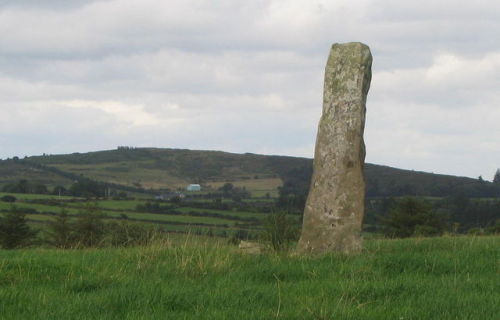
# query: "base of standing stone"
340,242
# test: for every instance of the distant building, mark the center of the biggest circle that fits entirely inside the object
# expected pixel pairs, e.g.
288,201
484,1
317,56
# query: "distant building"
193,187
170,195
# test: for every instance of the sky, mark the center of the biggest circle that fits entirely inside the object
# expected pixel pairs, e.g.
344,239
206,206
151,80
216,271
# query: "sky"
247,76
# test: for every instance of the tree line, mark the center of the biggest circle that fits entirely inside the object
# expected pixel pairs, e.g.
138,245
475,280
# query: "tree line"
87,229
84,187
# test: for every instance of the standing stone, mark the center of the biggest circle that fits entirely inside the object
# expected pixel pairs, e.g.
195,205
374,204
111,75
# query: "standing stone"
335,205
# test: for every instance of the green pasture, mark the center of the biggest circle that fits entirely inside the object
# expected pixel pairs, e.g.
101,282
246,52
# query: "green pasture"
112,209
429,278
116,204
141,174
243,214
30,196
39,222
257,187
171,218
117,214
42,208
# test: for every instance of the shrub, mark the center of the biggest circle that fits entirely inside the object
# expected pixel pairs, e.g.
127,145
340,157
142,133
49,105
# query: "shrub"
59,190
412,217
89,227
8,198
239,235
475,231
14,230
60,232
495,229
89,230
124,234
280,230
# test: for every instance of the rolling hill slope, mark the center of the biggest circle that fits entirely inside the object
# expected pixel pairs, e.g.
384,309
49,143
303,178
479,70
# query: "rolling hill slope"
175,168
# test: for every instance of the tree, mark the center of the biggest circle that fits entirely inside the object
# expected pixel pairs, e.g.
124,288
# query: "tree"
23,186
176,200
59,190
496,178
61,232
89,227
14,230
412,216
40,188
8,198
87,188
293,193
227,189
123,234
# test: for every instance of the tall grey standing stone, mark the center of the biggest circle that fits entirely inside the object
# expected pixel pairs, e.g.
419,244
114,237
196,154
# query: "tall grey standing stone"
335,205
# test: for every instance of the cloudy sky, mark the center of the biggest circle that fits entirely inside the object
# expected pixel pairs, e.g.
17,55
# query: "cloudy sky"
247,76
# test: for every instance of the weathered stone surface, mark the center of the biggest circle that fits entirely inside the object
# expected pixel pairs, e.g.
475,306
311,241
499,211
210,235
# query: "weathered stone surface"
335,205
250,247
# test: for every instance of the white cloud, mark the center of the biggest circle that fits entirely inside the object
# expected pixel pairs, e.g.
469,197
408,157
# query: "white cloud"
452,70
133,115
450,80
246,76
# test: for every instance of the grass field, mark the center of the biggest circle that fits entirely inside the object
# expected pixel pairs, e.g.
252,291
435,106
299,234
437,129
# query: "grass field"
153,217
438,278
29,196
123,173
243,214
191,220
258,187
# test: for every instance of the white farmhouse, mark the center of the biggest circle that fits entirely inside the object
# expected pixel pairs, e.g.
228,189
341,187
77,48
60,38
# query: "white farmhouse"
193,187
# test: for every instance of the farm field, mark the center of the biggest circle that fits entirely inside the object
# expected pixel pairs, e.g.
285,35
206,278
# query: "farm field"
42,209
258,187
201,278
30,196
245,214
122,174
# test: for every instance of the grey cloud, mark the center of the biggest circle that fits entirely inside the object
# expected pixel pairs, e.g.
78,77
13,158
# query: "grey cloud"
426,10
248,75
46,5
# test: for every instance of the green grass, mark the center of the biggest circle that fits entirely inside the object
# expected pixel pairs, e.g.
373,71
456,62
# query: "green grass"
257,187
132,205
152,217
174,218
116,204
30,196
42,208
243,214
39,222
440,278
39,207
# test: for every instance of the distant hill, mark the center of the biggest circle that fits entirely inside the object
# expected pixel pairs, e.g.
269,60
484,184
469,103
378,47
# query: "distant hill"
154,168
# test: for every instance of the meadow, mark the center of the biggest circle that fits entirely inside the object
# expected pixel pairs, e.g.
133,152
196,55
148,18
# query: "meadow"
182,277
42,209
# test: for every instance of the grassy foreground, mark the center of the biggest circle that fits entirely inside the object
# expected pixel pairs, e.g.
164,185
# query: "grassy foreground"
439,278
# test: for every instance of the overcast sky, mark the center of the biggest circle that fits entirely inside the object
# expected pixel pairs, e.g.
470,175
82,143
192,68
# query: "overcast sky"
247,76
